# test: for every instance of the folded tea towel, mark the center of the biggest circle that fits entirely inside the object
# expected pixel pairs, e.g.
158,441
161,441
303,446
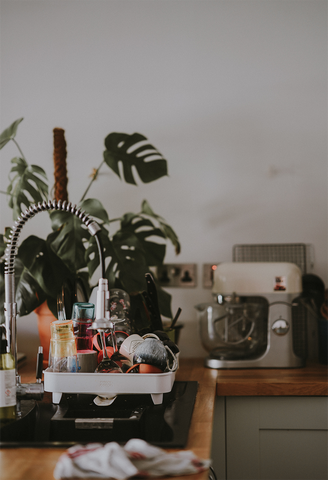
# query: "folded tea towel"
137,458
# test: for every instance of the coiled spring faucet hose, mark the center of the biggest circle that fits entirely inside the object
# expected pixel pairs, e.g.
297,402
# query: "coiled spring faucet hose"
11,252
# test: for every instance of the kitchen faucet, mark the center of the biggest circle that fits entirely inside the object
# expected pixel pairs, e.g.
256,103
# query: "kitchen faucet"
102,321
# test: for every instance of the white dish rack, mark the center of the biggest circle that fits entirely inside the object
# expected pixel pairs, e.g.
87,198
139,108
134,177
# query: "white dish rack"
108,384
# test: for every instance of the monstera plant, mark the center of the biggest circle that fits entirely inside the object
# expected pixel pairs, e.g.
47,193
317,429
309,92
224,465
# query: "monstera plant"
68,257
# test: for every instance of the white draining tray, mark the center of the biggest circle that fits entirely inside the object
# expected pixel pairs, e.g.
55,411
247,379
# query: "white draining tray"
109,384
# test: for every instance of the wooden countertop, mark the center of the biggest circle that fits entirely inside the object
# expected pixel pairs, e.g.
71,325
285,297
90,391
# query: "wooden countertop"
39,463
311,380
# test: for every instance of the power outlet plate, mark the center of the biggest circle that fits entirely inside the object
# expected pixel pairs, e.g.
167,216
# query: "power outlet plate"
183,275
208,271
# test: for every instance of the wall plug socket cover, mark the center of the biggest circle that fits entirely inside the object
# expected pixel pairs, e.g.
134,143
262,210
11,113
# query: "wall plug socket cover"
183,275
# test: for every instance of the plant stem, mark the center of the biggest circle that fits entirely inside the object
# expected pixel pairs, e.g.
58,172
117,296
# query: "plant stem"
94,176
20,151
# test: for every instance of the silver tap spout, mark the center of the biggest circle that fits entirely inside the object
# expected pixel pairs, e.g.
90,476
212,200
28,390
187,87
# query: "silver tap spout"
34,390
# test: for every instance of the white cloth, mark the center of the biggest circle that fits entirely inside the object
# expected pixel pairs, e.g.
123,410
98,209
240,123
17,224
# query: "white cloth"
136,458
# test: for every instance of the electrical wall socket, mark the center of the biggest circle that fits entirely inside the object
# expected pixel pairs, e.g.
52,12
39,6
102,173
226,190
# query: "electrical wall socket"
208,272
183,275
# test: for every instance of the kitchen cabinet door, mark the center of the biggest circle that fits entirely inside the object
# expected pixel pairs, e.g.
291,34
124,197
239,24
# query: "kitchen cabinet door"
273,438
218,453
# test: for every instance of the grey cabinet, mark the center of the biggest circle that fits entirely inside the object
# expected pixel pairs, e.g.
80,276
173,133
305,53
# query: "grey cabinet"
271,438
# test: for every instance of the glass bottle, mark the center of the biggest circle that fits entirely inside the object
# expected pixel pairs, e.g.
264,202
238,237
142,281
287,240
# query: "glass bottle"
83,315
7,382
63,353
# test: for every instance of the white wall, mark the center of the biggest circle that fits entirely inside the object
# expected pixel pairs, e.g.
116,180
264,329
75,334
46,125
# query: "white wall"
233,93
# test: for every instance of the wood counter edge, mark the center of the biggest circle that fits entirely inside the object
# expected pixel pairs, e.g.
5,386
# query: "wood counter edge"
275,389
311,380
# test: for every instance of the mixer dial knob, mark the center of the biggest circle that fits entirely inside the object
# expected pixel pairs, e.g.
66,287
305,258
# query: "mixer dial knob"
280,327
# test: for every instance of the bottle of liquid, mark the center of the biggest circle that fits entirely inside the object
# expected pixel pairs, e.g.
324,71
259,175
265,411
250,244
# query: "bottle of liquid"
7,382
83,315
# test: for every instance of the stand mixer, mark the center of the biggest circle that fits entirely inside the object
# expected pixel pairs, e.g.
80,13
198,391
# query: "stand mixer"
256,320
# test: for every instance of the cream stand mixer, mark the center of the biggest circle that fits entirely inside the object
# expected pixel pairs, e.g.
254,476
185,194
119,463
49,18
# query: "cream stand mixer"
256,320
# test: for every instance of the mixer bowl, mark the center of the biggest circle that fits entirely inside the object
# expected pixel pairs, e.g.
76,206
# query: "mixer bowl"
234,330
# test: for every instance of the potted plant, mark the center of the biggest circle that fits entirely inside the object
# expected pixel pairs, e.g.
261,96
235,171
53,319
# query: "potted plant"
68,257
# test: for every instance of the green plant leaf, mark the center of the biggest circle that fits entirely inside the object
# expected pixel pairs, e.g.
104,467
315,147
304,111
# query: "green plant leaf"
94,208
9,133
83,285
92,252
3,245
130,252
49,271
131,262
70,236
67,241
127,261
166,229
29,294
4,240
26,187
121,147
143,229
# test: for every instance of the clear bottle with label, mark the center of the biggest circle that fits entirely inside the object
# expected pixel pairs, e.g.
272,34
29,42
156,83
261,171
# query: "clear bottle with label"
7,382
63,352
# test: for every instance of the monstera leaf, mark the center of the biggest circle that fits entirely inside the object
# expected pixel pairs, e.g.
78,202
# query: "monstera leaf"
39,275
166,229
44,265
126,260
128,264
70,234
142,228
26,187
45,273
29,294
130,250
9,133
121,147
131,253
3,245
68,240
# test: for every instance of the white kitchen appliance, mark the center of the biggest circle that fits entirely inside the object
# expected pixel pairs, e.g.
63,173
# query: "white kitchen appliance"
257,319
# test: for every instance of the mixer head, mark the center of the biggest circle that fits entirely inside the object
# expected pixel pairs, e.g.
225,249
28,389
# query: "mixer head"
256,278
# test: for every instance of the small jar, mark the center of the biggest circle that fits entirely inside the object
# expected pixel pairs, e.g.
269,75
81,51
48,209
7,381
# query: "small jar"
83,315
63,352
